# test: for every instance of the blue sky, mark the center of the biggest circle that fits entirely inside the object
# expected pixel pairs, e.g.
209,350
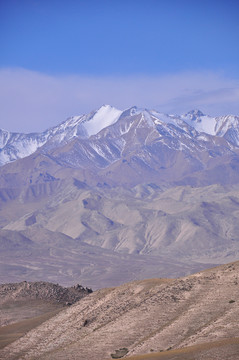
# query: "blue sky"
67,57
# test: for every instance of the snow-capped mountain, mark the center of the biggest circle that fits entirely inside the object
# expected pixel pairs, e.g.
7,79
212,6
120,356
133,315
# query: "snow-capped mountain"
101,136
99,177
17,145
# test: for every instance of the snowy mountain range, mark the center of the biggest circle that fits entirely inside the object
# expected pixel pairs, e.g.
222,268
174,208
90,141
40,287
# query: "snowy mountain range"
193,129
113,183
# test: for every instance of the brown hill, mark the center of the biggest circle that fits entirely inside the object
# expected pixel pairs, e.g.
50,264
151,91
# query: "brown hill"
197,314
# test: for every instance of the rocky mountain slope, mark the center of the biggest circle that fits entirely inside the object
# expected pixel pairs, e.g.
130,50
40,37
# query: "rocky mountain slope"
197,314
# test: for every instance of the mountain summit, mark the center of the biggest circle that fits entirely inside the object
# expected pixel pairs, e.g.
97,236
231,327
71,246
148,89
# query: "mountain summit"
17,145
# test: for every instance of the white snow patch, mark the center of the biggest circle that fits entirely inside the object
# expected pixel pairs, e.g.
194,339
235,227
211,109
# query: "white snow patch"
98,150
125,128
104,117
148,118
202,137
205,124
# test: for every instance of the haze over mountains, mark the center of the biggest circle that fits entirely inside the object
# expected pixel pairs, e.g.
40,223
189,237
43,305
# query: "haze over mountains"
114,196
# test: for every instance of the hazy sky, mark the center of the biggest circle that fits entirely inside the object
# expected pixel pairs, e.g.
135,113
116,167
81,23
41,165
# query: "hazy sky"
65,57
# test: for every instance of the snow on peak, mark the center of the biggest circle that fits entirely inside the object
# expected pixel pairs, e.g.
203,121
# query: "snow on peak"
105,116
16,145
200,122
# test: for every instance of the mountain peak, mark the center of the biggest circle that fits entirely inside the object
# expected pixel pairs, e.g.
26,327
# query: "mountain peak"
105,106
105,116
136,110
195,113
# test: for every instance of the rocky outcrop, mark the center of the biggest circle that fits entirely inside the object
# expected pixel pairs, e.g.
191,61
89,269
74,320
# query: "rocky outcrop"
42,291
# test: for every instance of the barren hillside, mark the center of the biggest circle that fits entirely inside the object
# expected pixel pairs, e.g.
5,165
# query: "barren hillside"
199,312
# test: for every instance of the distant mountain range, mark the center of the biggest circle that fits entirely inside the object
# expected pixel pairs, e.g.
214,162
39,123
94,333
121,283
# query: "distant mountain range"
194,125
115,196
81,201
